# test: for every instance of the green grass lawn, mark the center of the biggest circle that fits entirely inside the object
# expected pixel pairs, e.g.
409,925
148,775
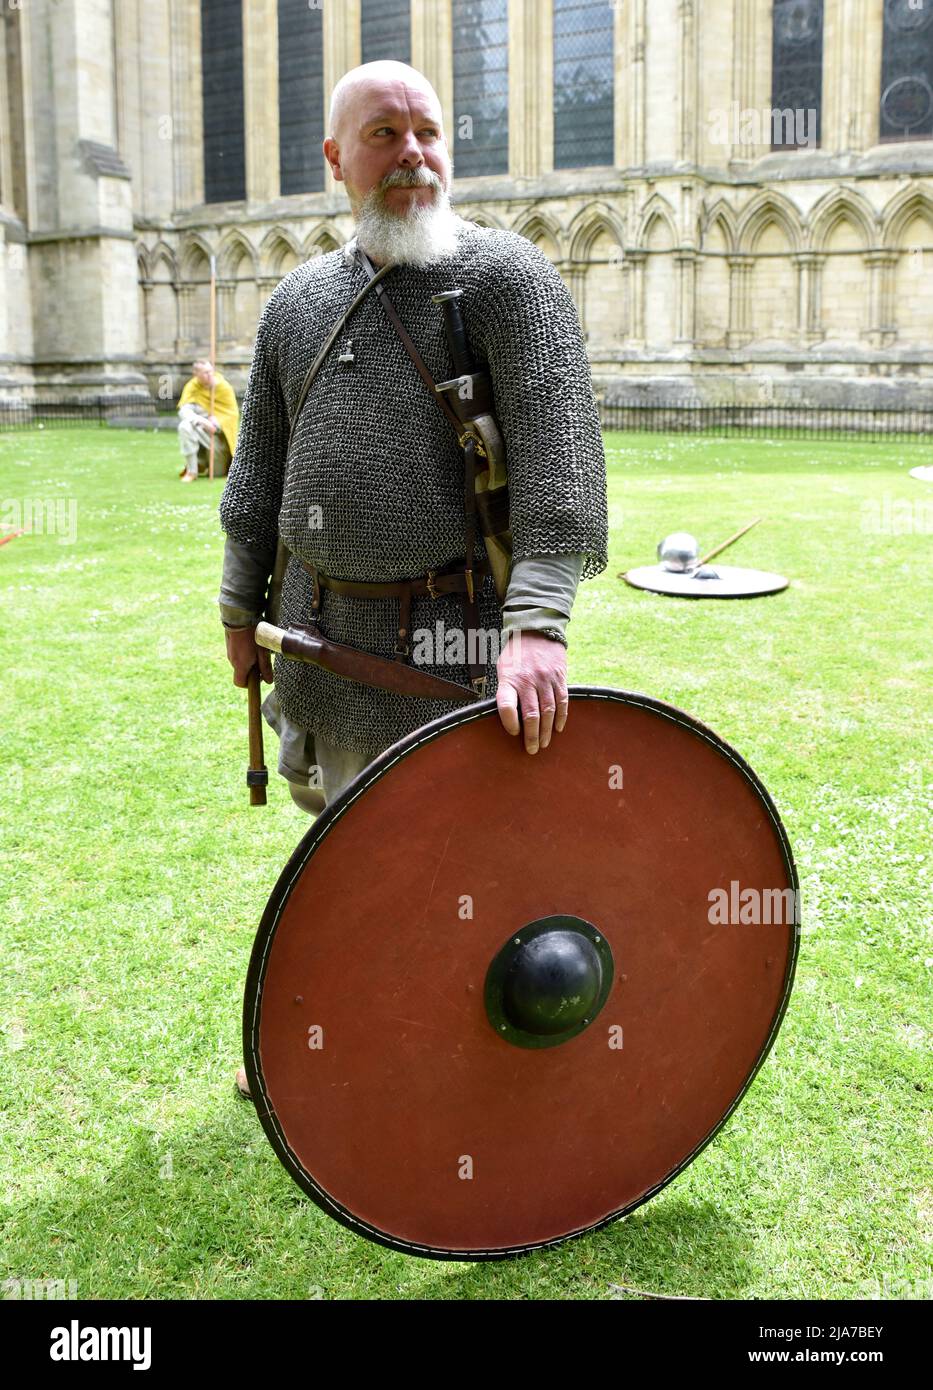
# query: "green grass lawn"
134,875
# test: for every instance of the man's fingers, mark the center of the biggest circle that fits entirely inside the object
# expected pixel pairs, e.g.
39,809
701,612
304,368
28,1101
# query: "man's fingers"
563,708
265,664
531,720
507,702
548,711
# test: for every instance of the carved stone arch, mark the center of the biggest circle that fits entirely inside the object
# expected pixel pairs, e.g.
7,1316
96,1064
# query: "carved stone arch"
593,223
766,208
908,239
233,249
279,253
657,208
720,215
598,280
539,227
482,218
143,261
194,295
237,289
163,264
320,242
841,204
716,239
195,258
900,211
161,313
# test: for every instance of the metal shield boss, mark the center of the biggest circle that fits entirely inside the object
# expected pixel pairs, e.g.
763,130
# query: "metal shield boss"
499,999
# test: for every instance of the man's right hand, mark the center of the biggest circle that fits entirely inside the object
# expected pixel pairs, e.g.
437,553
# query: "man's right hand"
243,654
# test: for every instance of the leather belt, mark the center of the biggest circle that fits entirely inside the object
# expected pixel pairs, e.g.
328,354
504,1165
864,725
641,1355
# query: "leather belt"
434,583
448,580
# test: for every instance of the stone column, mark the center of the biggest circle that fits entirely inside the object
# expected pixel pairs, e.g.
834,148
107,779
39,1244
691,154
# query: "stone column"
531,87
145,121
187,116
686,262
865,39
82,253
620,81
226,311
751,70
881,268
342,51
186,293
636,260
809,296
632,83
852,43
6,161
688,81
574,277
432,53
261,98
740,274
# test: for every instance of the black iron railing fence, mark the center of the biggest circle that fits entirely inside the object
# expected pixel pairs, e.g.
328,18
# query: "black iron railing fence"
84,410
795,421
629,416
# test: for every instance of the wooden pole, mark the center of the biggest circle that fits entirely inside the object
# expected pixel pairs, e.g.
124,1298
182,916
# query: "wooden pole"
257,777
725,545
210,464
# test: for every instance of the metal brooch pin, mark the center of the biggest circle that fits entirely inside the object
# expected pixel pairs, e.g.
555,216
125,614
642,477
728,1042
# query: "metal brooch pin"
347,354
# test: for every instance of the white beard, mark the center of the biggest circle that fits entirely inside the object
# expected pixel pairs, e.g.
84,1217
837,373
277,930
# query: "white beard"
419,237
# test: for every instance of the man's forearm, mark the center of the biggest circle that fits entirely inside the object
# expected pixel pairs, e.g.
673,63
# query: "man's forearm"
244,585
541,592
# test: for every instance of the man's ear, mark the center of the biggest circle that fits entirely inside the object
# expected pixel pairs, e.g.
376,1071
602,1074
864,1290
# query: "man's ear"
332,155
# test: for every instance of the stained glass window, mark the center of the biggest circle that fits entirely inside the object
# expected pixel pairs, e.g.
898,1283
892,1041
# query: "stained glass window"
481,87
386,30
222,100
583,83
301,97
907,71
796,74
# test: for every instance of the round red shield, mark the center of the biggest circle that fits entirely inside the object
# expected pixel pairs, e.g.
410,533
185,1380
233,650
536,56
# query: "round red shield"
497,1000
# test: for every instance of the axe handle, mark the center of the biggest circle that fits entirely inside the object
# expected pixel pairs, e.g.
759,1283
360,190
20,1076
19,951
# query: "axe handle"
257,776
717,550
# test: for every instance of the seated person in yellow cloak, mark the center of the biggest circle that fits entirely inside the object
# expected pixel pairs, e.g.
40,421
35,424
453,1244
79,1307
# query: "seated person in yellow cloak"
197,422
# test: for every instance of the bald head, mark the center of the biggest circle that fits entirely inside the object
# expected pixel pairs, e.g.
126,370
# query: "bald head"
371,80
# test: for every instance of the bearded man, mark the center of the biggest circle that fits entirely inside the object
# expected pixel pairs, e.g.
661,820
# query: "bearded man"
363,480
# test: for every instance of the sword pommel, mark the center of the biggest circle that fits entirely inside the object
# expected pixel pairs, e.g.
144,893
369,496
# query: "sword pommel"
269,636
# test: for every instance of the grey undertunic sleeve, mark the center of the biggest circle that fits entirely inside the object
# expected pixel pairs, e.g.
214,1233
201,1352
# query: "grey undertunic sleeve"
541,592
244,583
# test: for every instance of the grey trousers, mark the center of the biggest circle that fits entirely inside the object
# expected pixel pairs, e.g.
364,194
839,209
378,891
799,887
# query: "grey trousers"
316,771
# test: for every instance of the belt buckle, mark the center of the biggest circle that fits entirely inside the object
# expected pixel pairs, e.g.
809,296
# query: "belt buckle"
432,587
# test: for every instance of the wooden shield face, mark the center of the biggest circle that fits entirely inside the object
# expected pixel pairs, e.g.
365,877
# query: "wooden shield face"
497,999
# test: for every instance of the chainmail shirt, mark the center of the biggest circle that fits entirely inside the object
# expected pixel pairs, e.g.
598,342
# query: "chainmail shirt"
370,487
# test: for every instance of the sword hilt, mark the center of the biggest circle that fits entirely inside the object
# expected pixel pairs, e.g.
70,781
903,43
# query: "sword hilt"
455,328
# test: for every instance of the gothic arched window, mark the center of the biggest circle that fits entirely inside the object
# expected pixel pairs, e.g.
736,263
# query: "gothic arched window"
481,87
583,83
222,100
301,97
907,71
385,30
796,74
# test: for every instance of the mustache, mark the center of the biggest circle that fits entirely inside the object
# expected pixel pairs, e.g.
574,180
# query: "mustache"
411,178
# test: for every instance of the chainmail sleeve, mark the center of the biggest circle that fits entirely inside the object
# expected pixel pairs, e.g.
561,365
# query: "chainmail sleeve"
249,506
528,330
